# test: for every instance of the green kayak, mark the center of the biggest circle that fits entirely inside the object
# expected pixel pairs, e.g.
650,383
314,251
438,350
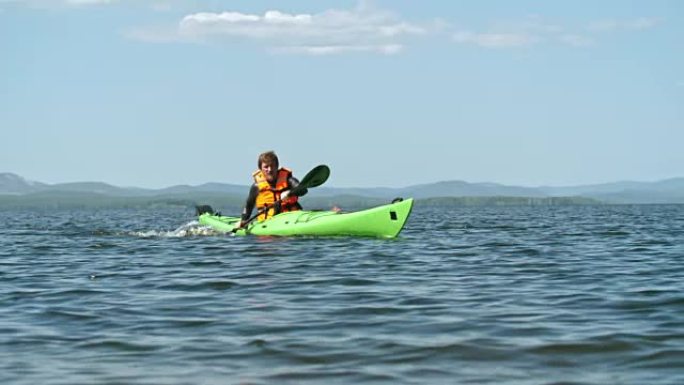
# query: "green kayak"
383,221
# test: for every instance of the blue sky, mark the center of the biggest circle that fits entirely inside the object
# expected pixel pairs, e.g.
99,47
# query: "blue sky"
387,93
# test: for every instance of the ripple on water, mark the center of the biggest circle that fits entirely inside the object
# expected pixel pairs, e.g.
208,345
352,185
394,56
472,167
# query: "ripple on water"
488,295
116,346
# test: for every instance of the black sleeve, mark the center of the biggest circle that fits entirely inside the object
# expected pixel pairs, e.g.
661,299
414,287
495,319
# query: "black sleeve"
294,182
250,203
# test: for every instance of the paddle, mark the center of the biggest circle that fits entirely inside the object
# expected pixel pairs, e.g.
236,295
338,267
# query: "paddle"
314,178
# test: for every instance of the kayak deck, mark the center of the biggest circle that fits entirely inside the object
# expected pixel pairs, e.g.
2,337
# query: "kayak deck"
383,221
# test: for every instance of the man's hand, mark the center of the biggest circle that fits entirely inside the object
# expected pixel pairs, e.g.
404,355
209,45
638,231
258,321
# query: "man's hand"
284,195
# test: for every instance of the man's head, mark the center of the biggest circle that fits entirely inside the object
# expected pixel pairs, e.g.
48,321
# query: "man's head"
268,164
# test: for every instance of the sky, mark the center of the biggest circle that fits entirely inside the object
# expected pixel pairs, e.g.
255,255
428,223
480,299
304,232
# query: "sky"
387,93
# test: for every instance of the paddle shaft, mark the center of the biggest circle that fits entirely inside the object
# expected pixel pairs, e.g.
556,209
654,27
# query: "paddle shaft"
262,211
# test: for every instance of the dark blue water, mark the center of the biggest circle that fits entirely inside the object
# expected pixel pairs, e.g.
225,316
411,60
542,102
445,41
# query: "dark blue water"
531,295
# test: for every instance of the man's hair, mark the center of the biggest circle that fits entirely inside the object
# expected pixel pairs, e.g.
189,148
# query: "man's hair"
268,157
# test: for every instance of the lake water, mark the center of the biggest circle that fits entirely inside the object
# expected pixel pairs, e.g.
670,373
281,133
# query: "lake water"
475,295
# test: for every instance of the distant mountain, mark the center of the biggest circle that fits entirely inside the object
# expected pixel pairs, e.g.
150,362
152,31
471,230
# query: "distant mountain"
603,188
230,189
664,191
89,187
436,190
463,189
14,184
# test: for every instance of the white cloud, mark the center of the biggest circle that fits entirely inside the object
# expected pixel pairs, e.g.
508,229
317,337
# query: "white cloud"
532,24
366,29
330,32
529,31
609,25
535,30
494,40
390,49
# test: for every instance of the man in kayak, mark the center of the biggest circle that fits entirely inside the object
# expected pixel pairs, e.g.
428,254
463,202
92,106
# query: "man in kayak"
270,191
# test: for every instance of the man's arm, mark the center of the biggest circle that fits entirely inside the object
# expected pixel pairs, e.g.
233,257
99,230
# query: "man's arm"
250,203
294,182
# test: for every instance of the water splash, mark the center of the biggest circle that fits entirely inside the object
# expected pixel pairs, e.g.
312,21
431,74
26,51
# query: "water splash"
190,229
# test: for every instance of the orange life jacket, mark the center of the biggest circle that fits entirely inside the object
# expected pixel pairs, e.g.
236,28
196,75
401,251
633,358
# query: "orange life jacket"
268,194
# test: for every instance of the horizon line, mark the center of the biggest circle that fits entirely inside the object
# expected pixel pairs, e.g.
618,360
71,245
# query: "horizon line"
352,187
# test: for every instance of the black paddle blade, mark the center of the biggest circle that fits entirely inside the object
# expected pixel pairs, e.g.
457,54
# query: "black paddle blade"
316,177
